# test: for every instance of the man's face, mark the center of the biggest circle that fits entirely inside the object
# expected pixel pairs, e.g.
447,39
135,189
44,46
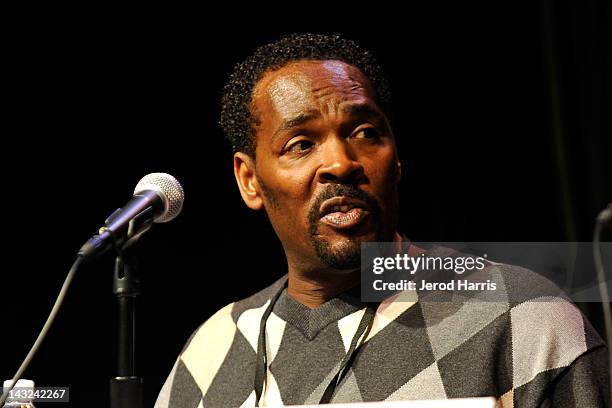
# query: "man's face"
326,162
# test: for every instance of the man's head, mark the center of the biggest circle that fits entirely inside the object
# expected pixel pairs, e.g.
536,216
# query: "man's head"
314,148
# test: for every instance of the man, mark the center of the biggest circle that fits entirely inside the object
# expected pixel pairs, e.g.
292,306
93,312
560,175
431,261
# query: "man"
315,150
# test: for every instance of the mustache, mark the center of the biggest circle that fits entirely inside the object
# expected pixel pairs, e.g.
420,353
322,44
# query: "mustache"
335,190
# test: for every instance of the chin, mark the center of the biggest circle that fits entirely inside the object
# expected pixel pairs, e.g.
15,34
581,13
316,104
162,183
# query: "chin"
343,253
344,237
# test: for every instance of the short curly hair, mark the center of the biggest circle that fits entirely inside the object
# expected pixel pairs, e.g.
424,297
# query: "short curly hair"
237,119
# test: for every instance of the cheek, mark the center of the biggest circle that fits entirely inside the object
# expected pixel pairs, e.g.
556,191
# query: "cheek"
289,216
291,187
383,169
291,191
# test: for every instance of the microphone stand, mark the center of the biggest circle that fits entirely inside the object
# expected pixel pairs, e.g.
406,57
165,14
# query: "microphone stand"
126,387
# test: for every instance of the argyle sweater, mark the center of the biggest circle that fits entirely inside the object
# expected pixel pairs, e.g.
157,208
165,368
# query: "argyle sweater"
538,351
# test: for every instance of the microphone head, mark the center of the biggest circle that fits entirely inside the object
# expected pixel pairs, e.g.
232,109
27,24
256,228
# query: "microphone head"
170,191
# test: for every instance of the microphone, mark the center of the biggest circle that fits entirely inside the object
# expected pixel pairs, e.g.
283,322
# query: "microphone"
605,216
158,197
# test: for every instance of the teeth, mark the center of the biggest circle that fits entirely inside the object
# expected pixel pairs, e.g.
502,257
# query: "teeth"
341,208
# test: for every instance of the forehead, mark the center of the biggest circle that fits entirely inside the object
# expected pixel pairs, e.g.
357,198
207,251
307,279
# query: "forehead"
310,85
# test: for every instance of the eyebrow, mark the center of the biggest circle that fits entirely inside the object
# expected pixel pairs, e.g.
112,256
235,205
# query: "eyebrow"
295,122
354,109
361,109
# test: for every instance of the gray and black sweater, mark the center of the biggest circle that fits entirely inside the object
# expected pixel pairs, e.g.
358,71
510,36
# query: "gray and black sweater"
537,352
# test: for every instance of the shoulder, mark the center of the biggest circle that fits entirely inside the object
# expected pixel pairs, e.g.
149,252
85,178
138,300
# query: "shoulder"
210,344
224,322
510,283
555,352
548,332
541,313
528,322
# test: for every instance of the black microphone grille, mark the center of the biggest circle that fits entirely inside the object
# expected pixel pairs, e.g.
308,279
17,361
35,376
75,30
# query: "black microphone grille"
169,189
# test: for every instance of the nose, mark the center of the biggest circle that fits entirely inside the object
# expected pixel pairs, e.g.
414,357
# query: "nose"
339,163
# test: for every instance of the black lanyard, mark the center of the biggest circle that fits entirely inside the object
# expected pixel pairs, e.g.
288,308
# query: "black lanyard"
262,363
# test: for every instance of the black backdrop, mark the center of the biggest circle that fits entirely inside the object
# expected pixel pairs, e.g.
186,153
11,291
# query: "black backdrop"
502,115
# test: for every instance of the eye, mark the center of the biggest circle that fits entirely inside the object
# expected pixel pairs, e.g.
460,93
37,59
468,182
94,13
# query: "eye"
367,133
300,146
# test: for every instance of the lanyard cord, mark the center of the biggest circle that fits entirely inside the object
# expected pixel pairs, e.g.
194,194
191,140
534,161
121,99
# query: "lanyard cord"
261,363
363,329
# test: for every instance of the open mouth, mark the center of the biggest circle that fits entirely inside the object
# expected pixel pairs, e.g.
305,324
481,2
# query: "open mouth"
343,212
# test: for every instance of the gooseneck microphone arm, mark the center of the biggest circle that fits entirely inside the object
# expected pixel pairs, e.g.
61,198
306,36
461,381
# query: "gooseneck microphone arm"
604,219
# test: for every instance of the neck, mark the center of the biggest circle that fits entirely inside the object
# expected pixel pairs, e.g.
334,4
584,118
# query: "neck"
313,291
312,287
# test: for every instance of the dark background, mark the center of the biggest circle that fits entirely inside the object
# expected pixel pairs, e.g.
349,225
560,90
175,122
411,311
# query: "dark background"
502,115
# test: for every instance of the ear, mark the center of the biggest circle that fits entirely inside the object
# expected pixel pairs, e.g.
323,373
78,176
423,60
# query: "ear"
244,171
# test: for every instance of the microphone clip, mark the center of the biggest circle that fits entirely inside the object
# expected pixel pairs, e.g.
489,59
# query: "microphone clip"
119,239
